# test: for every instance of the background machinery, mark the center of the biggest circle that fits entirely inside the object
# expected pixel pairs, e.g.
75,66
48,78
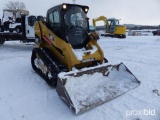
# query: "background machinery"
25,30
69,58
112,27
11,20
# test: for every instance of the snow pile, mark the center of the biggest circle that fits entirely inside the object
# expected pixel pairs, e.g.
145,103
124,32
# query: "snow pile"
79,53
158,40
91,90
24,95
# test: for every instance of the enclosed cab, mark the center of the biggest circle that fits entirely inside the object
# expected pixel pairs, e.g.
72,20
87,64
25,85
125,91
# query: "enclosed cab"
69,22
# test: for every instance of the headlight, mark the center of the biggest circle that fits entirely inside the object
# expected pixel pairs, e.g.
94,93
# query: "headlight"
64,6
86,10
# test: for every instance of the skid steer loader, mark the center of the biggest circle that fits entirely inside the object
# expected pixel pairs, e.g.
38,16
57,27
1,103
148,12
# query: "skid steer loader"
69,58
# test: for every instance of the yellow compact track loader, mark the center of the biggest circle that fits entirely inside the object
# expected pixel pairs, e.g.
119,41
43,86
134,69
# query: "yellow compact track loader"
112,27
69,58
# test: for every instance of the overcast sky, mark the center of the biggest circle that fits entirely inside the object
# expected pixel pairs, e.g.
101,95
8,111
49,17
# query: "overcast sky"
144,12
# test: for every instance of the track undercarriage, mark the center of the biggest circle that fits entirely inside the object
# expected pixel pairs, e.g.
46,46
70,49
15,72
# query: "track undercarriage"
46,65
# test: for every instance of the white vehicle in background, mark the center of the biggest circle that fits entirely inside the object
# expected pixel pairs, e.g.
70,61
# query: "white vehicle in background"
24,30
11,20
15,27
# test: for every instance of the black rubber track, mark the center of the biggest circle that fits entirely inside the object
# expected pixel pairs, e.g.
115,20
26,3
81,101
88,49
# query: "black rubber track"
51,62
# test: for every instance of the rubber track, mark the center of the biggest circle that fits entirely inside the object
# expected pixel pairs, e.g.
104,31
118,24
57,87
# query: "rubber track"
51,62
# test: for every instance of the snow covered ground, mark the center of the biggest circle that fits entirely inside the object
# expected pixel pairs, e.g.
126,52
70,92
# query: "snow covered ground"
25,96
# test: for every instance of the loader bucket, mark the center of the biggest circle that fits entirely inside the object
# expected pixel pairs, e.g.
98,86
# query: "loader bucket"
90,87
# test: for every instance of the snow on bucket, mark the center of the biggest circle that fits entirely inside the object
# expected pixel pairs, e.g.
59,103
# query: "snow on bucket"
89,88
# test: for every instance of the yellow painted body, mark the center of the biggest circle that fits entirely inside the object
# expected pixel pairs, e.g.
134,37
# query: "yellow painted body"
66,56
101,18
119,30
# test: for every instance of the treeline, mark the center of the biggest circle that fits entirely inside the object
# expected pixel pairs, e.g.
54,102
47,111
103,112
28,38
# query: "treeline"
142,27
132,27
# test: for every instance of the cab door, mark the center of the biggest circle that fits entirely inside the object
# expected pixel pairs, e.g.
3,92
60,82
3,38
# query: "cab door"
112,25
30,20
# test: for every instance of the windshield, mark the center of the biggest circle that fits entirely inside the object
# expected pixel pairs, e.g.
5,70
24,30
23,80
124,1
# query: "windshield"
76,26
75,17
113,22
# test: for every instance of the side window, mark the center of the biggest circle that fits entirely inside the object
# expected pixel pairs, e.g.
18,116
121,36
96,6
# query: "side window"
54,23
40,18
31,20
117,22
112,23
50,18
54,20
109,22
56,17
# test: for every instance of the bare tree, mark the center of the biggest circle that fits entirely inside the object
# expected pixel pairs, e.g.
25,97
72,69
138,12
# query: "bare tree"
14,5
